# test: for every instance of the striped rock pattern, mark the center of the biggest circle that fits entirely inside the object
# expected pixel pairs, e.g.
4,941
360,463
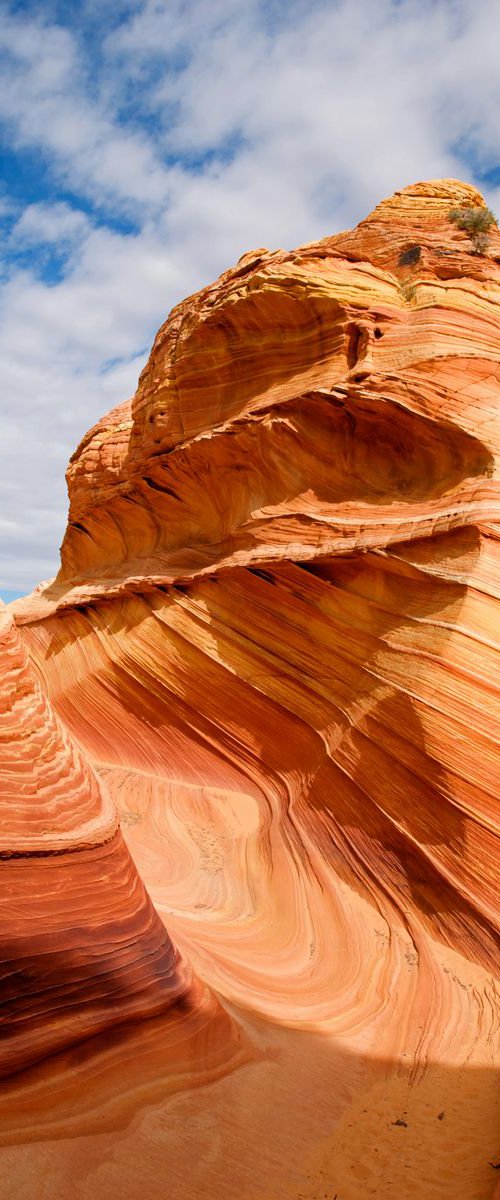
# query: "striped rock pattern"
81,946
272,650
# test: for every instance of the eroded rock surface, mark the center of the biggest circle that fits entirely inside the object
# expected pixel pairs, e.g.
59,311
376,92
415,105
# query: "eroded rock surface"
259,723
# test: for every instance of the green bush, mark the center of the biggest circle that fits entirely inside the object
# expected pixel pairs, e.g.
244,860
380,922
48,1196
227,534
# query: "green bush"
477,222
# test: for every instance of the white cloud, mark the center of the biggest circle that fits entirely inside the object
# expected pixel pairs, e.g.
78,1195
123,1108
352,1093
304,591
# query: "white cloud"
47,223
214,128
49,102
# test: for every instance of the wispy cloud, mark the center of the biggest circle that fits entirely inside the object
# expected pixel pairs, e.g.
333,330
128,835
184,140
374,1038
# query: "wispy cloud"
148,144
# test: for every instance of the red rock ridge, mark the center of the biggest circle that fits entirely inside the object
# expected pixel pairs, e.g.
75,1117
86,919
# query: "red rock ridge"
274,641
81,947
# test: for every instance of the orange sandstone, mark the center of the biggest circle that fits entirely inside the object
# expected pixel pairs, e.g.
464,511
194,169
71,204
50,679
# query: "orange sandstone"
270,656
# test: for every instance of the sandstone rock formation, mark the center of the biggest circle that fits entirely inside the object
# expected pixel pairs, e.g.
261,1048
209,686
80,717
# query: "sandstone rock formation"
261,704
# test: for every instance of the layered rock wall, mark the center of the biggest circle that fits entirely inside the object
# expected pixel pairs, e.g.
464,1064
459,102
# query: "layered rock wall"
272,651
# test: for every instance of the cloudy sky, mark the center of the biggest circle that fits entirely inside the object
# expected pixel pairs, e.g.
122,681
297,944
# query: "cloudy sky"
146,144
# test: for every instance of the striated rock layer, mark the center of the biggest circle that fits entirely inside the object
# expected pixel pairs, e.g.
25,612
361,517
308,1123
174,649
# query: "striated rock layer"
81,945
259,723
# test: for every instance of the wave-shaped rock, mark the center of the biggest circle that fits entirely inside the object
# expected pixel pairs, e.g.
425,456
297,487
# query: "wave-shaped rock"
272,650
81,947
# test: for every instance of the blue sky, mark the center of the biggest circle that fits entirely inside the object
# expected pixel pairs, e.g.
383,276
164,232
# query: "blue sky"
145,145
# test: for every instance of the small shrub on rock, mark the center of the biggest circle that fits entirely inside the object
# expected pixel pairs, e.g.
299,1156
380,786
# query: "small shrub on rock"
477,222
409,257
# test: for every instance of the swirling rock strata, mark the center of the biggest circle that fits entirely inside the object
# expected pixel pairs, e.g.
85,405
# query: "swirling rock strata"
274,640
81,946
